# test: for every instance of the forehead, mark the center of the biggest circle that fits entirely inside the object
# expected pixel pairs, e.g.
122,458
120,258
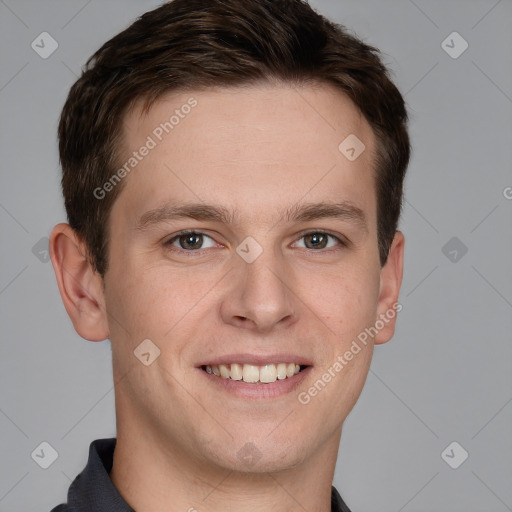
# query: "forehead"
248,147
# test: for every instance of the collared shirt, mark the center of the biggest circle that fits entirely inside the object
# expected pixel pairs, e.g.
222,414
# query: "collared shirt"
93,490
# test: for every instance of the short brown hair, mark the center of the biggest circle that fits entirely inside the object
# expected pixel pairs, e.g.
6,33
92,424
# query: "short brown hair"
196,44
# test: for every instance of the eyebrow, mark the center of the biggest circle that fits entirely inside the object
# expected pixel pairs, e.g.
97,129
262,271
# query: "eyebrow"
343,210
197,211
301,212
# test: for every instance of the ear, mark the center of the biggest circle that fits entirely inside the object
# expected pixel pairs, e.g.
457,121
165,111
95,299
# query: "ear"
390,282
81,288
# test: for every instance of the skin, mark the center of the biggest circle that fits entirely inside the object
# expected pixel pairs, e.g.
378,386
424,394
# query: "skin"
258,151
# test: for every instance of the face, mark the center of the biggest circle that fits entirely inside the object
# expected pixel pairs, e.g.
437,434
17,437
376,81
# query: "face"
244,243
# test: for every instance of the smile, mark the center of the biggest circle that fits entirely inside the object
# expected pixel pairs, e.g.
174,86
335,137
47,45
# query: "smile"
254,374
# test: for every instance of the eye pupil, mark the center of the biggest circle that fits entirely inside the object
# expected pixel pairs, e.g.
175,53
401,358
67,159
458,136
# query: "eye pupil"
315,241
191,241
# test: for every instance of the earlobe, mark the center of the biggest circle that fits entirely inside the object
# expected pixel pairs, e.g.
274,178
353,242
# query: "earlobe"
390,281
80,287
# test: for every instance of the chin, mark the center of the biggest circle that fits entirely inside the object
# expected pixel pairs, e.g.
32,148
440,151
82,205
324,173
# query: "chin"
258,456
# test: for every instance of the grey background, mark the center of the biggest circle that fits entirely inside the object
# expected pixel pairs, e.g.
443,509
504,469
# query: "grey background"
445,377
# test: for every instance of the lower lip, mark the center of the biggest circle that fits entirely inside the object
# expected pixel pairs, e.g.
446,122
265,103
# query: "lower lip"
258,390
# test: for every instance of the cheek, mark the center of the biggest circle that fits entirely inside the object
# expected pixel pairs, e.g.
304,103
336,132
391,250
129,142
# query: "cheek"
151,302
346,302
147,304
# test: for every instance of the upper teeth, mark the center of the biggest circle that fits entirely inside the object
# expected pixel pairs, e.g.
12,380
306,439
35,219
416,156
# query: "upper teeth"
252,373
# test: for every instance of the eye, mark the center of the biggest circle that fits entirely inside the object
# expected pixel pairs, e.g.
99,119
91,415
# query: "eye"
191,241
318,240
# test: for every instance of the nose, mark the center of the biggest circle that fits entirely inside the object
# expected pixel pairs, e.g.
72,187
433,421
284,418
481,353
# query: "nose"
260,295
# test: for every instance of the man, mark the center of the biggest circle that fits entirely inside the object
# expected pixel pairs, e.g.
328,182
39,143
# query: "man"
232,174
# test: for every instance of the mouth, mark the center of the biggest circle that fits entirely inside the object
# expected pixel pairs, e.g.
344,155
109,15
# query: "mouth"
254,374
256,377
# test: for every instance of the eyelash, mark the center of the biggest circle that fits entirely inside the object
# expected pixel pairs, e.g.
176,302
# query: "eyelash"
195,252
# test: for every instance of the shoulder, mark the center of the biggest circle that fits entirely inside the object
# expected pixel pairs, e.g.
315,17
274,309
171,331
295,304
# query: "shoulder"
61,508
